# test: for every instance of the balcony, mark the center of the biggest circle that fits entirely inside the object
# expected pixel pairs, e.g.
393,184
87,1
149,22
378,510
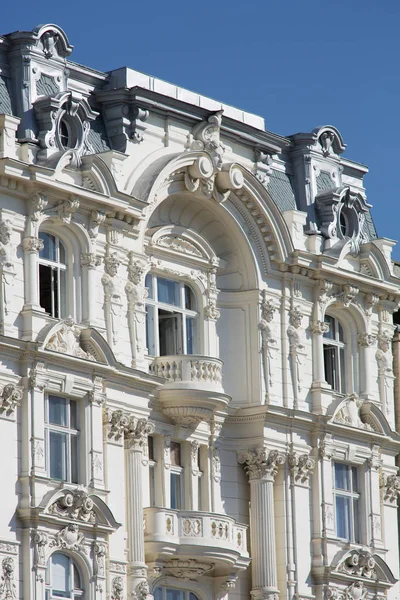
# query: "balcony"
193,389
217,541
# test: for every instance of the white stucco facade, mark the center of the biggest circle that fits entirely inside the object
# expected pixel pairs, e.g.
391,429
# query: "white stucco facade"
197,389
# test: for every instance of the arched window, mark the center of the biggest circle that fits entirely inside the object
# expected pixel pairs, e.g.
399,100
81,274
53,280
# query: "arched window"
171,317
52,276
164,593
63,579
334,355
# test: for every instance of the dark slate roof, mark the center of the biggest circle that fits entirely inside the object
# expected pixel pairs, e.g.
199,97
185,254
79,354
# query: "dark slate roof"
97,137
5,98
370,227
46,86
324,181
281,191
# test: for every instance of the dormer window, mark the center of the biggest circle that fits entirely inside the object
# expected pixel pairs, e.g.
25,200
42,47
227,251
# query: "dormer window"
67,132
171,317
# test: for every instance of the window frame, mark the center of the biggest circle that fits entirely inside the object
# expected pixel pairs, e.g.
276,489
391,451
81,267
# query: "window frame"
72,472
339,346
59,308
187,594
177,473
74,593
353,496
155,305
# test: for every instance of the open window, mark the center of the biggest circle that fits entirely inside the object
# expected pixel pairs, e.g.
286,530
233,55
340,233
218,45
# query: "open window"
334,355
346,493
63,579
53,276
62,438
171,317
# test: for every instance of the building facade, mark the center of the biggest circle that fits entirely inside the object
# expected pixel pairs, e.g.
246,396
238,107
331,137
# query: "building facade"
197,389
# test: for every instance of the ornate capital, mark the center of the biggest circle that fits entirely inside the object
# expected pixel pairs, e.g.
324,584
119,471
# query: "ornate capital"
366,340
261,463
301,466
32,244
10,398
326,448
319,327
391,488
349,292
137,432
67,209
370,301
90,260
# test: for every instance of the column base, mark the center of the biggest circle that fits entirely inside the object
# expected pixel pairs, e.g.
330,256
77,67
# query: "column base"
264,594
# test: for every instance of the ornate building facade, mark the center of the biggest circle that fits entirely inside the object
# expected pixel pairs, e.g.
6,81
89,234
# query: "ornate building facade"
197,389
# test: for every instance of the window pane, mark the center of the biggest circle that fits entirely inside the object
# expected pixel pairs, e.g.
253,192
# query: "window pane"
77,579
152,486
150,342
58,411
62,308
170,332
157,593
330,360
356,534
45,277
56,303
343,528
175,594
342,477
74,458
60,575
189,335
342,387
150,443
331,333
73,422
168,291
189,298
148,283
354,477
58,455
192,597
175,451
61,247
49,246
175,490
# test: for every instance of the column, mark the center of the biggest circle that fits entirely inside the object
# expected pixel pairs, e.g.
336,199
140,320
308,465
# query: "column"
135,439
32,246
89,262
262,465
367,342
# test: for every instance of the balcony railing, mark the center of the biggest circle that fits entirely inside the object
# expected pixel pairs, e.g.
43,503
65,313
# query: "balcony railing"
189,370
185,534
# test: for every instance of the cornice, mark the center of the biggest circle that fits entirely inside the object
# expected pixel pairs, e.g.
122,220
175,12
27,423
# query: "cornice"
167,106
313,423
18,177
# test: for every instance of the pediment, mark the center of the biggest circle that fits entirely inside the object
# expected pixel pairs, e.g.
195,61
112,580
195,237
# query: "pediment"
68,338
80,506
178,240
363,565
349,413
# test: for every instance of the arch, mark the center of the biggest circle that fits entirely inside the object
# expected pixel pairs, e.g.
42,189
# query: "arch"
95,167
78,240
175,240
82,560
372,415
249,205
59,37
352,316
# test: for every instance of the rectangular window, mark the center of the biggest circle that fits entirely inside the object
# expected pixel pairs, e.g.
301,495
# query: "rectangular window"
152,472
176,475
171,317
62,439
346,494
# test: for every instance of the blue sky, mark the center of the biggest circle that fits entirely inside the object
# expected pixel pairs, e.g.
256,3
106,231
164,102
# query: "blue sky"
298,63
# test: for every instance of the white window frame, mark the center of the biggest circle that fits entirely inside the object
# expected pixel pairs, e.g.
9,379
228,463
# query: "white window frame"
352,495
339,347
75,593
69,432
184,312
58,308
